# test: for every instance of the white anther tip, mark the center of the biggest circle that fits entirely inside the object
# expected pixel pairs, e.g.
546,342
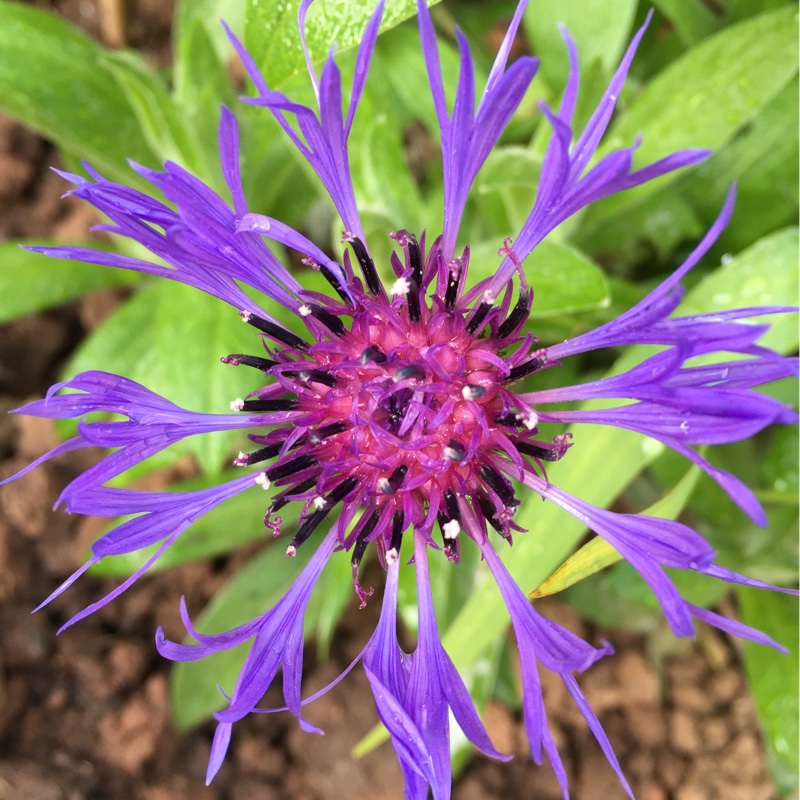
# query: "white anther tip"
531,420
402,286
451,529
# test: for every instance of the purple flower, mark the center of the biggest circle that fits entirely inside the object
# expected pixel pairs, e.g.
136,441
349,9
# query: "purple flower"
399,408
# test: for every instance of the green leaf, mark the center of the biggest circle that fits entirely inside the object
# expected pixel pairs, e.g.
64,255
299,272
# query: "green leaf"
250,593
563,279
202,82
779,467
161,123
762,160
764,274
30,282
702,99
598,554
742,9
170,338
692,20
208,13
384,188
52,78
601,30
272,36
773,680
595,555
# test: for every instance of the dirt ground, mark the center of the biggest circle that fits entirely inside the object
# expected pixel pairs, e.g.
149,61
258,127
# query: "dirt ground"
84,716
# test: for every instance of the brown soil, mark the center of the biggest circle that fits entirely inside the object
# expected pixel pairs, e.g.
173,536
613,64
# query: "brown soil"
84,716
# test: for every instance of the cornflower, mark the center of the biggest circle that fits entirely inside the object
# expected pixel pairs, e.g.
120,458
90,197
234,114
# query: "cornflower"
399,408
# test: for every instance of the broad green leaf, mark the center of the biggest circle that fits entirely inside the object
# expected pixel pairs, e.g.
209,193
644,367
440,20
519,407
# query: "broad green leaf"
272,36
773,680
598,554
234,523
595,555
692,20
160,121
742,9
202,82
779,467
52,78
600,28
208,13
250,593
277,180
763,160
703,99
30,282
398,71
381,180
170,338
509,166
563,279
764,274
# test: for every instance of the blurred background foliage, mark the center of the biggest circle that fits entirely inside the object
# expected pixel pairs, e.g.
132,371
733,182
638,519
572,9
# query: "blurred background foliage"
720,75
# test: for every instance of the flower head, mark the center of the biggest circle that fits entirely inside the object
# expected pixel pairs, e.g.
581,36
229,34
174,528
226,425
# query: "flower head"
399,408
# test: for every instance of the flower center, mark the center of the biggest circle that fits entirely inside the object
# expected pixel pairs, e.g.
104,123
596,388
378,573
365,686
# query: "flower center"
406,410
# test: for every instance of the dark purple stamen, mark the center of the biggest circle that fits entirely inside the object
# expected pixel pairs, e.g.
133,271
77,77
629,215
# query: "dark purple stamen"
372,353
249,361
397,531
511,419
391,484
455,451
319,435
313,376
367,265
311,523
290,467
415,259
494,480
283,404
330,321
451,293
451,545
489,511
472,391
478,317
361,541
285,497
526,368
275,332
542,453
410,371
451,504
257,456
517,316
334,281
